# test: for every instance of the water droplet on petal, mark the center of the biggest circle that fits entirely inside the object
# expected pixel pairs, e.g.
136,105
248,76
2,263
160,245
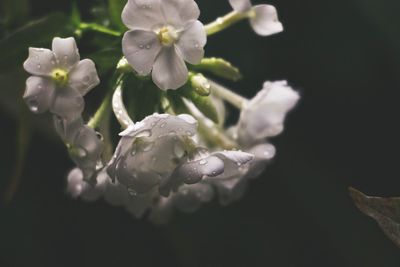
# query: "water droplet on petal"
148,146
132,192
148,46
203,162
39,66
145,133
39,86
53,62
100,136
163,125
133,150
179,150
81,152
141,46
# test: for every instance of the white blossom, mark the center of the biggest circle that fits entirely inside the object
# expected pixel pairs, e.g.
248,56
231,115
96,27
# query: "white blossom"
263,18
59,79
163,35
263,116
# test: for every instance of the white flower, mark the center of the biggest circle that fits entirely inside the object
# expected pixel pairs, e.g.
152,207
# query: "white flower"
263,18
263,116
85,146
163,35
150,150
59,79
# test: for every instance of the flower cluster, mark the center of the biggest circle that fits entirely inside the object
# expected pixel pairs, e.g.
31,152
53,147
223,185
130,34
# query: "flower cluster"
179,154
58,83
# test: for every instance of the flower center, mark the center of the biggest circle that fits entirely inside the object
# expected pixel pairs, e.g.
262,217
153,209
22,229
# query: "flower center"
60,76
167,35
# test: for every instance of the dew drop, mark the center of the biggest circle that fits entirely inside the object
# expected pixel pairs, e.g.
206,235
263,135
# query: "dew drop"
220,21
141,46
33,105
81,152
39,66
179,150
203,162
163,125
100,136
133,150
39,86
132,192
144,133
148,146
148,46
189,133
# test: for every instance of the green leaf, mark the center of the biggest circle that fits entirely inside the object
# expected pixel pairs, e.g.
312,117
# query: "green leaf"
106,59
35,34
115,8
219,67
386,211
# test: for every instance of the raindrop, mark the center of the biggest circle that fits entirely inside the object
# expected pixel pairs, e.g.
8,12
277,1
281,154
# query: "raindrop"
141,46
33,105
133,150
132,192
148,146
220,21
163,125
189,133
81,152
100,136
145,133
179,150
148,46
203,162
39,86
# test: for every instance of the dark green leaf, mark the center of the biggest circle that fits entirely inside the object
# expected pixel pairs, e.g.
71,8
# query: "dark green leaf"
35,34
386,211
106,59
115,8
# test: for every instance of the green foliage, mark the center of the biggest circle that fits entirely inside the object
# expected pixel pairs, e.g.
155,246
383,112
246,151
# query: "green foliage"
115,8
34,34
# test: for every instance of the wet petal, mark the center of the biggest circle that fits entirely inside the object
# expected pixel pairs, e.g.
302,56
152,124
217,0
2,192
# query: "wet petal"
40,61
66,52
159,125
68,103
83,77
169,71
189,198
264,115
235,162
67,129
192,42
141,49
265,21
240,5
263,153
178,12
192,172
39,94
143,14
76,184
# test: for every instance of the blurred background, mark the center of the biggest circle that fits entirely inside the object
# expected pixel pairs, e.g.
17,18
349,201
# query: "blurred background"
344,58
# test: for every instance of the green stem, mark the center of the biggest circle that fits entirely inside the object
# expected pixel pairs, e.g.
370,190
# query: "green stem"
228,95
98,28
224,22
101,113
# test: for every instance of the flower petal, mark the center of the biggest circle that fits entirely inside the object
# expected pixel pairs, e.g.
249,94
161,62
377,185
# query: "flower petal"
66,52
40,61
39,94
67,129
190,197
240,5
263,153
235,163
230,191
159,125
264,115
265,22
192,172
169,71
83,77
141,49
143,14
178,12
192,42
68,103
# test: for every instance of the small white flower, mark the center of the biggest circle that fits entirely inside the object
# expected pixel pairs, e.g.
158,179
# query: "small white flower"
163,35
263,116
150,150
85,146
59,79
263,18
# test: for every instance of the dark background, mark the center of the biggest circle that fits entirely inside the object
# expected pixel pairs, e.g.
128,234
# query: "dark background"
344,58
